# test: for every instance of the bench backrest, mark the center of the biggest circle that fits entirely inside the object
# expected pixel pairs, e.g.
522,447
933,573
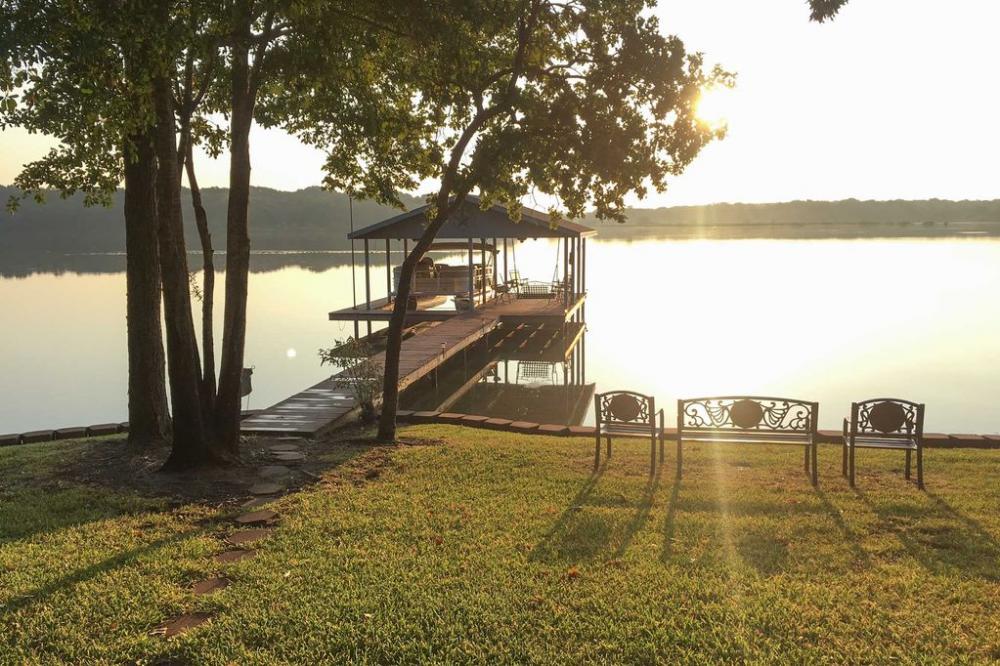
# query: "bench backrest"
624,407
887,417
747,413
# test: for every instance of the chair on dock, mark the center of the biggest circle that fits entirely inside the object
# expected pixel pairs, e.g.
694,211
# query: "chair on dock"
627,414
884,423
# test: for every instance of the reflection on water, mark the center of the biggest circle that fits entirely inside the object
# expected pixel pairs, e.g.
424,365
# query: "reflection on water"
522,373
826,320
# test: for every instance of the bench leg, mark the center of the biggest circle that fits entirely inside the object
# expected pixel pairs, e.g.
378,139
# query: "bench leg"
661,448
906,474
680,457
609,445
652,455
843,461
806,451
597,450
815,465
920,468
850,476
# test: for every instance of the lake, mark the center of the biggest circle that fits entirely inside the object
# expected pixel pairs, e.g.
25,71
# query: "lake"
825,320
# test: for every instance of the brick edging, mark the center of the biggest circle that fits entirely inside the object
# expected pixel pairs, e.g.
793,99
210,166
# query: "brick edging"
931,440
76,432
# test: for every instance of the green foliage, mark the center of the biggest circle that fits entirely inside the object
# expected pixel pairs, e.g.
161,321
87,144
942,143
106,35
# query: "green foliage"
823,10
361,373
586,101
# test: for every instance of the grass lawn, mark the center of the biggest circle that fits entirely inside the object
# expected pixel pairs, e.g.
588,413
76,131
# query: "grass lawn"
494,548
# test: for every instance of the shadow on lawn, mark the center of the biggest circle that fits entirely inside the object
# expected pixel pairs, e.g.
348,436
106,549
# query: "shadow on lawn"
40,594
939,537
106,480
582,534
761,549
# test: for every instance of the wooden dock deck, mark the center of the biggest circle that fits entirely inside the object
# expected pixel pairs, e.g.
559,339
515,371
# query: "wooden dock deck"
320,407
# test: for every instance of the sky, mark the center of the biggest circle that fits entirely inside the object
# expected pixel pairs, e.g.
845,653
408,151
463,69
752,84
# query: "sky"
893,99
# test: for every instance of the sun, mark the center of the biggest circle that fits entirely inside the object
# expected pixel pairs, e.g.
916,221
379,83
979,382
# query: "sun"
715,106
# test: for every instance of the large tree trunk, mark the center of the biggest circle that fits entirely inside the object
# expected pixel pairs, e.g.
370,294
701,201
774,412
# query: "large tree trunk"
394,337
207,289
190,446
227,406
149,419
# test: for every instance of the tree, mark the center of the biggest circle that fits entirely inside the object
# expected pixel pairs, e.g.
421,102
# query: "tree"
584,101
74,73
823,10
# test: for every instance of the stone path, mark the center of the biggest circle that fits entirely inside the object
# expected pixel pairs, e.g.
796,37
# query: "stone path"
256,525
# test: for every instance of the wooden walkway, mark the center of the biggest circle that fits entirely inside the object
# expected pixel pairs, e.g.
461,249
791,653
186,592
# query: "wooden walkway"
323,406
320,407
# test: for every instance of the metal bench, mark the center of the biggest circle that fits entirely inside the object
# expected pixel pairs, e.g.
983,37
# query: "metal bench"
627,414
749,420
885,423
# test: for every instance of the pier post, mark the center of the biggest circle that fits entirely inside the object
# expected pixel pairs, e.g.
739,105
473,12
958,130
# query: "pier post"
388,273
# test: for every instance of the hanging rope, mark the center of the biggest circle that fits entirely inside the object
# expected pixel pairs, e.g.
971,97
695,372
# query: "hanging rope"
555,269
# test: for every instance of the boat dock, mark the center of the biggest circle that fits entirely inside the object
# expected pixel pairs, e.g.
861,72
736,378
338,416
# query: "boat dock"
478,295
325,405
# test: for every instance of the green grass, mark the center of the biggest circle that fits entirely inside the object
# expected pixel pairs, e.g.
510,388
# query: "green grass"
494,548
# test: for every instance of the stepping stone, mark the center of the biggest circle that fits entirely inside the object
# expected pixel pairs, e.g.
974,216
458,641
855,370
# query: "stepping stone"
273,471
265,488
210,585
180,624
258,501
289,456
284,447
236,555
247,536
257,517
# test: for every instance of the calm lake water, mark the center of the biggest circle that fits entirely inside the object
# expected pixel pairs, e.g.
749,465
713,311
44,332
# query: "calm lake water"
826,320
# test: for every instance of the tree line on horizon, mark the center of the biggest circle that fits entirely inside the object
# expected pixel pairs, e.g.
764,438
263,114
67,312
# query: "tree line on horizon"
317,219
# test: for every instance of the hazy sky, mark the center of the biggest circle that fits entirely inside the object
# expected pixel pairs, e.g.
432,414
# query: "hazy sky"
893,99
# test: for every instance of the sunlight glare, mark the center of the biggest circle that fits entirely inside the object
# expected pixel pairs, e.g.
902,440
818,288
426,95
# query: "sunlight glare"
715,107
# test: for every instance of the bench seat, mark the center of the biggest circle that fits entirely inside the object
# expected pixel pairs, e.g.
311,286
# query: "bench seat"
749,420
754,437
883,443
629,430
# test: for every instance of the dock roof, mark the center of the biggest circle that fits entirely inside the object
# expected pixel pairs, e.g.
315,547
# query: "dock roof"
471,221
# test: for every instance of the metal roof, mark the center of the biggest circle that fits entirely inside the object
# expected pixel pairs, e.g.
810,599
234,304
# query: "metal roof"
471,221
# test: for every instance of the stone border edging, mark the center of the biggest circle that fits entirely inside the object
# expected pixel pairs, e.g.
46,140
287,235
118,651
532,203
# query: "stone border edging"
77,432
932,440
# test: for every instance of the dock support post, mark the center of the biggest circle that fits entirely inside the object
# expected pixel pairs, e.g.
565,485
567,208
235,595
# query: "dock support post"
388,273
506,274
566,272
368,284
472,277
482,277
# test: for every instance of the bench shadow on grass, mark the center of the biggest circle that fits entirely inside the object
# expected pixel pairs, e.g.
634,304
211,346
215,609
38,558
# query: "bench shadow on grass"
582,535
758,549
938,537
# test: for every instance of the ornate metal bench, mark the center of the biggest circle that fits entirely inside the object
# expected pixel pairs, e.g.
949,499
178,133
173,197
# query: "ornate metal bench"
885,423
749,419
627,414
